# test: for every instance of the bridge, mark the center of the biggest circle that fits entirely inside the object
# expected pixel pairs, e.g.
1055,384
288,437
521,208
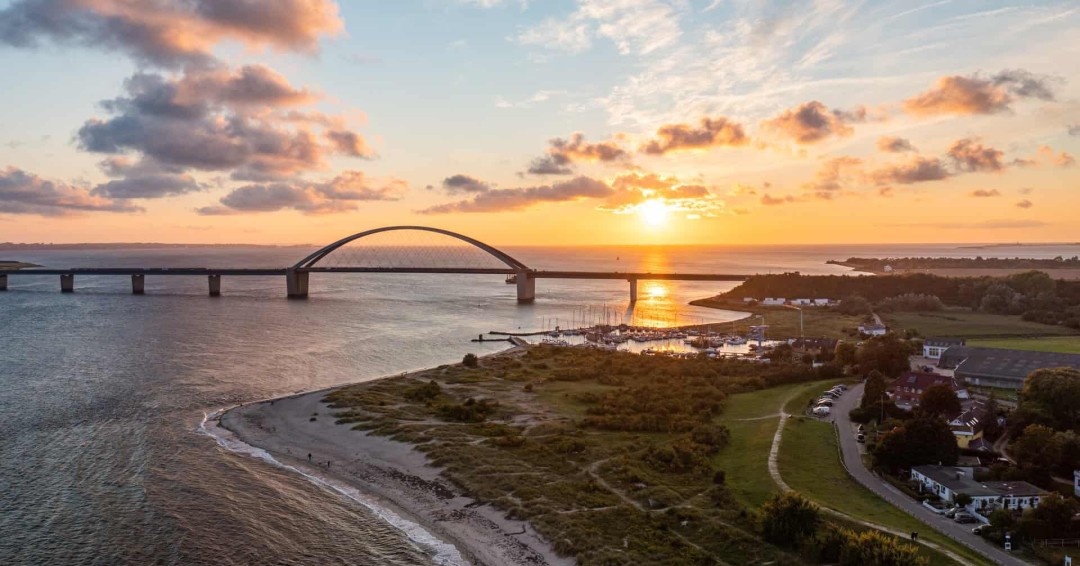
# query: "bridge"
345,256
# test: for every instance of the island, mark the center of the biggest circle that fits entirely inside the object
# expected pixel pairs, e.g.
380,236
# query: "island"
1059,267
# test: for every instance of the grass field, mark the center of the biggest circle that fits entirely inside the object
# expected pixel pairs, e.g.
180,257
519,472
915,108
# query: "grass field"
1061,344
967,324
810,463
784,322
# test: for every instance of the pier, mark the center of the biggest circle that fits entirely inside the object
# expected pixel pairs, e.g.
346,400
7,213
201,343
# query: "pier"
297,277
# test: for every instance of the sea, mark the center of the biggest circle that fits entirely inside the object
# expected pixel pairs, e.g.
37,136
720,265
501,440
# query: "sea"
104,454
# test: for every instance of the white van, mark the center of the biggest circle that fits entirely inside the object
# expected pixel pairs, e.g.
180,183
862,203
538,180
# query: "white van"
822,411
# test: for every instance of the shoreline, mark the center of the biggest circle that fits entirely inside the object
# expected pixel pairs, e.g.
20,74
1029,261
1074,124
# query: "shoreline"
386,475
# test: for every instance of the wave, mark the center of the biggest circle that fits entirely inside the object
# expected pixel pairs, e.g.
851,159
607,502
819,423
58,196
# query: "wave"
441,552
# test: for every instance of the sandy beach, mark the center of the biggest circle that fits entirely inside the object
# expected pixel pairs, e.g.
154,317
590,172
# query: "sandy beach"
394,473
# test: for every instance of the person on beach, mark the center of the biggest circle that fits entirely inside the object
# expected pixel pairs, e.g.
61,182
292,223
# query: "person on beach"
309,456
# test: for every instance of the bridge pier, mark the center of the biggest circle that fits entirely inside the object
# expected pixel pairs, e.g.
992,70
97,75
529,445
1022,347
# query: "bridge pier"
526,287
67,283
633,290
215,285
296,283
138,284
3,282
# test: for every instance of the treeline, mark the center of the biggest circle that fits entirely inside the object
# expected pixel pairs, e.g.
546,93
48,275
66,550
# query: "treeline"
1033,294
979,262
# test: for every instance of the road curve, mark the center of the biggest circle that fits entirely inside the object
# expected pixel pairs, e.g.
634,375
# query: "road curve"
849,448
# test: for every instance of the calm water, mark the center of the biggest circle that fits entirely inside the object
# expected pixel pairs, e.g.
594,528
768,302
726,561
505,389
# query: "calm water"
102,392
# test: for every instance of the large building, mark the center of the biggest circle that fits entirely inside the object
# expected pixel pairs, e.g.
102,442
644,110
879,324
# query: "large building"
1001,368
934,347
907,390
947,482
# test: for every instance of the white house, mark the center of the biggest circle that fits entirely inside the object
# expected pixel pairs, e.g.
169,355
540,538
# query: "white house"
802,302
934,347
821,302
947,482
873,329
774,302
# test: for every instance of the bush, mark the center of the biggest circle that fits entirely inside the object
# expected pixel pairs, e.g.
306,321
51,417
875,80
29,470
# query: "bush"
470,361
471,411
854,305
788,518
911,302
425,392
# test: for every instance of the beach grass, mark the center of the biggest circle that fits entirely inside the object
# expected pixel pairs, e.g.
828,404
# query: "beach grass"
973,325
524,432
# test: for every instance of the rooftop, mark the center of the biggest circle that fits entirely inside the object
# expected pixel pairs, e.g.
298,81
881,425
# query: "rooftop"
944,342
1006,364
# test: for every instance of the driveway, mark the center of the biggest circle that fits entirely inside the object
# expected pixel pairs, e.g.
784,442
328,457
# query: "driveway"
849,447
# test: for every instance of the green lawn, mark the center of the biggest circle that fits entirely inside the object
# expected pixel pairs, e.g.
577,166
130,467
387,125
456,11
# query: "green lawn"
967,324
746,458
810,463
1061,344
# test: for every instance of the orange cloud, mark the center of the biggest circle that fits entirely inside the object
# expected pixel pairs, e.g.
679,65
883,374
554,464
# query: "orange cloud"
916,170
969,155
812,122
976,95
711,132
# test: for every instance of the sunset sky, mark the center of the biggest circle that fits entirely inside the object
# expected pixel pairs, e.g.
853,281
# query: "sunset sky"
540,121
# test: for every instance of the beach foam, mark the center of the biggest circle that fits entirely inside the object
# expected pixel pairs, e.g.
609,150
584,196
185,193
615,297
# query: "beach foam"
442,553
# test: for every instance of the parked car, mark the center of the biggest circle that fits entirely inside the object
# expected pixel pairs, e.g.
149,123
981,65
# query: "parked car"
822,411
824,401
979,529
860,438
841,387
963,518
832,394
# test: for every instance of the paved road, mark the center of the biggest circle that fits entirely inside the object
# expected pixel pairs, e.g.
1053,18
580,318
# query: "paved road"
850,449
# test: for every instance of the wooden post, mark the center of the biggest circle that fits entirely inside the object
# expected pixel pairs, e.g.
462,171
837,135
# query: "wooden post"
215,285
138,284
67,283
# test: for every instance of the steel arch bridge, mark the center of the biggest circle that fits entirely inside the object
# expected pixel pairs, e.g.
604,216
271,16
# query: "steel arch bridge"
297,276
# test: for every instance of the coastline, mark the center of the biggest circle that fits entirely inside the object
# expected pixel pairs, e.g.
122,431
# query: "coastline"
393,475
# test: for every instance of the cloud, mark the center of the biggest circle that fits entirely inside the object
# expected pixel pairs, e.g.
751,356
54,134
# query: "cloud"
769,200
170,33
1061,159
526,197
634,190
977,95
26,193
829,176
340,194
812,122
563,153
971,156
985,193
1024,204
916,170
710,132
888,144
143,180
464,184
218,120
634,26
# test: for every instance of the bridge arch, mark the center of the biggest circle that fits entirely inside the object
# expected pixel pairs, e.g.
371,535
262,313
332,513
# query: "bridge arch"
310,261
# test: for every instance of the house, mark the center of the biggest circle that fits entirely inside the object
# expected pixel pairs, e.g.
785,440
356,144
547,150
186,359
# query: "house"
999,367
822,302
948,481
873,329
802,302
934,347
774,302
907,389
749,300
968,425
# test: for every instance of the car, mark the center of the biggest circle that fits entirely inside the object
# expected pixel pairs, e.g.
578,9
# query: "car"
979,529
832,394
822,411
841,387
825,401
862,428
860,438
963,518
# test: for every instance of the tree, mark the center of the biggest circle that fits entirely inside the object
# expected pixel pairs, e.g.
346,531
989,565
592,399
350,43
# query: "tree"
788,518
1034,447
989,419
874,391
1051,519
845,353
470,361
940,401
887,354
922,440
962,499
854,305
1052,397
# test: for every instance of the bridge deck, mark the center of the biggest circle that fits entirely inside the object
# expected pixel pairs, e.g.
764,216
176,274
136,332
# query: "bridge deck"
204,271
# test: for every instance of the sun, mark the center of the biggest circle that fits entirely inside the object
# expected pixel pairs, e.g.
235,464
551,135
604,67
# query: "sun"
654,212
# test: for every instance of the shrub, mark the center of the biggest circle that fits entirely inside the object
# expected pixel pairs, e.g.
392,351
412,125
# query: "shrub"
425,392
471,411
788,518
470,361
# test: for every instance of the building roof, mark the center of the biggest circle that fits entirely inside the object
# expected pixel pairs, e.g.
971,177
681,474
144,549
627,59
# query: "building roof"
909,387
1005,364
1016,489
944,342
958,480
